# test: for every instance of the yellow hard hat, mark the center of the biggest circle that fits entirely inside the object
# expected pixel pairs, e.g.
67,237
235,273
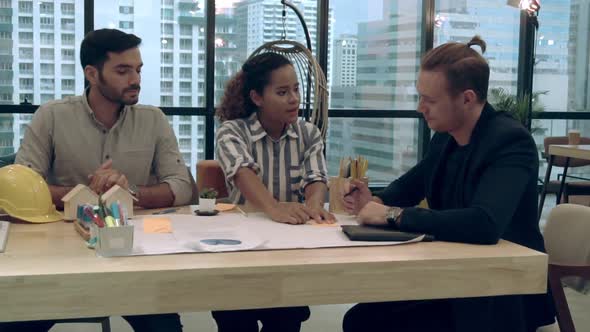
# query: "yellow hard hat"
25,195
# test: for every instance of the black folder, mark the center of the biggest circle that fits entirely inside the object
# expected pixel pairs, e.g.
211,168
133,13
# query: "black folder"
378,233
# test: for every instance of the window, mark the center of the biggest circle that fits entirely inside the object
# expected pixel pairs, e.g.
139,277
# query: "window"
68,54
25,22
186,58
186,44
67,84
165,101
67,39
184,129
5,66
126,9
68,24
184,143
25,37
167,57
46,8
47,54
25,53
47,69
26,83
166,72
47,84
5,35
167,14
68,9
68,70
166,86
46,22
5,98
460,23
186,30
25,6
168,29
186,73
185,87
358,59
46,38
185,101
5,4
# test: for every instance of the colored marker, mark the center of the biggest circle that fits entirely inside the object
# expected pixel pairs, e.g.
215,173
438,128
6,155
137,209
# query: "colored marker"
116,215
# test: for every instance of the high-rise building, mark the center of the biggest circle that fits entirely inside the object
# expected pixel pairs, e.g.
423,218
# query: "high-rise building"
344,65
387,65
261,21
38,57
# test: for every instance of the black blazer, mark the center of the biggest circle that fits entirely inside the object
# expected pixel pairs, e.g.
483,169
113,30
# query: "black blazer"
494,196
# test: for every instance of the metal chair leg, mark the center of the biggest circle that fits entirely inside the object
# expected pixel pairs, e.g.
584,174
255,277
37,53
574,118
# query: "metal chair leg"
106,325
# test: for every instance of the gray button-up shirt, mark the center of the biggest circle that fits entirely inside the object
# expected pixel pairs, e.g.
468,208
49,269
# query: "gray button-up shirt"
65,143
285,166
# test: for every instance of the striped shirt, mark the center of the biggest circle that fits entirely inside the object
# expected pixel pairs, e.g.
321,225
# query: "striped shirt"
285,166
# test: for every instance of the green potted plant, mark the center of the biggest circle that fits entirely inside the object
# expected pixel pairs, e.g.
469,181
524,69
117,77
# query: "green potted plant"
503,101
207,200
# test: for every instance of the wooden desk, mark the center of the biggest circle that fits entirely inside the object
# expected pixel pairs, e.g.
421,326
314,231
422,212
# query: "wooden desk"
567,151
47,272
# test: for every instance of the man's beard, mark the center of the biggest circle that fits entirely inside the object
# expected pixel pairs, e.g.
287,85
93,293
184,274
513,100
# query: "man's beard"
113,96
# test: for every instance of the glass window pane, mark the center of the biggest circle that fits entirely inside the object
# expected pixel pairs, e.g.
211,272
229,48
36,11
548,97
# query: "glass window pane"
562,61
169,50
390,145
375,55
241,26
496,22
31,55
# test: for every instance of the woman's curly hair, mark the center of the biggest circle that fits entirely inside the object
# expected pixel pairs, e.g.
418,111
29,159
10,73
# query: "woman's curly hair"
255,75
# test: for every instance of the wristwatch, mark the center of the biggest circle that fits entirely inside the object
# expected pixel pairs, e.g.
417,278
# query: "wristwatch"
392,216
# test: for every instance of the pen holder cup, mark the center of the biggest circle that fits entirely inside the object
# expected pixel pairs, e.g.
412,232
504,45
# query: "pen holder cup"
336,189
114,241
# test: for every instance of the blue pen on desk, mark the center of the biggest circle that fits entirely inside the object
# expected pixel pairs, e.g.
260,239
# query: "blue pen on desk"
166,211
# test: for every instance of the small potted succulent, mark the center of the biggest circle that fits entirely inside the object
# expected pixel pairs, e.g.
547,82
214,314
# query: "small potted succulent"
207,200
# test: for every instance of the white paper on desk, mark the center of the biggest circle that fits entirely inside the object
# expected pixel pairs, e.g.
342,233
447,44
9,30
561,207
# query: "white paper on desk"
256,232
153,243
286,236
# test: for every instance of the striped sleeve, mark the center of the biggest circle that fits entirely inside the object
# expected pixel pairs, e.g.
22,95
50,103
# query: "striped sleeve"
233,152
314,164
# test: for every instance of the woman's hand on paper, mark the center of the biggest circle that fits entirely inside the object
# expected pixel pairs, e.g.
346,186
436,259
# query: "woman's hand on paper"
321,216
290,213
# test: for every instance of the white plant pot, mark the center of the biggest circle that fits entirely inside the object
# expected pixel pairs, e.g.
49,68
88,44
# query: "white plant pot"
206,204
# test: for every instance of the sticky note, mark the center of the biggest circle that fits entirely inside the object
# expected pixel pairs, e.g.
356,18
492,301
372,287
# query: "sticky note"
157,225
222,207
315,223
